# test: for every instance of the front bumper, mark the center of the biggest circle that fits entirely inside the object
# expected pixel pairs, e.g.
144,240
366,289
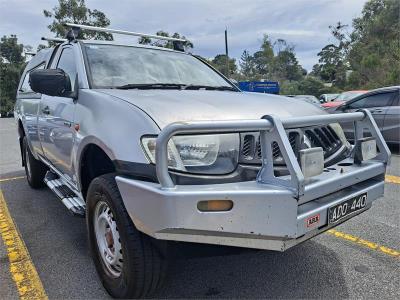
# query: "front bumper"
271,212
263,216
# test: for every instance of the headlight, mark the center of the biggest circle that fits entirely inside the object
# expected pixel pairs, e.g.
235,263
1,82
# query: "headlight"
339,131
200,154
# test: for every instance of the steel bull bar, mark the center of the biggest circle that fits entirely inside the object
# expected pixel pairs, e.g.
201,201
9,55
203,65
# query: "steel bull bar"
268,213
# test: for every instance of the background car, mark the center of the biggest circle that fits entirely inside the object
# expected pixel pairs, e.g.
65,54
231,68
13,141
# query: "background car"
327,97
384,105
343,97
308,98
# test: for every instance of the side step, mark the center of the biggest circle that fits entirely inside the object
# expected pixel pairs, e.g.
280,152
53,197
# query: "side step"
74,204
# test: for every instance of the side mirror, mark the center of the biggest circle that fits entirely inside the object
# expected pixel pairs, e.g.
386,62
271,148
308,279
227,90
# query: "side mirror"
52,82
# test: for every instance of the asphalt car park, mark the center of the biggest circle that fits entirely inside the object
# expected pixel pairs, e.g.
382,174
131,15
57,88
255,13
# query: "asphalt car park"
359,259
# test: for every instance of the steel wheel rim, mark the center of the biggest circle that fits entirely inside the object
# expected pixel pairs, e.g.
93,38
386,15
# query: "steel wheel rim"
108,239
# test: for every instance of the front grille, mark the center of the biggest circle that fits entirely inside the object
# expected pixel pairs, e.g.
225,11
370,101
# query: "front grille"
324,137
276,152
248,146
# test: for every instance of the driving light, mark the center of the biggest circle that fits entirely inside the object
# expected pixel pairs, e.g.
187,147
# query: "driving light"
206,154
312,161
365,149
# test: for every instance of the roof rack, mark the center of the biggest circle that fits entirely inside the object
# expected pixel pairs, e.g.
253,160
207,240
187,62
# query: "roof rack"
177,43
55,40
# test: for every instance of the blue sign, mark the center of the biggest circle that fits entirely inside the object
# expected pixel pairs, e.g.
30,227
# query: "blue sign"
269,87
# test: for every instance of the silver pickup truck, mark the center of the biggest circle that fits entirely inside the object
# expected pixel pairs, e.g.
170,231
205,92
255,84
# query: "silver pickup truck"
153,145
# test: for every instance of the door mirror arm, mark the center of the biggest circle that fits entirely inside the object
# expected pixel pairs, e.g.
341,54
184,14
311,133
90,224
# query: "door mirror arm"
75,93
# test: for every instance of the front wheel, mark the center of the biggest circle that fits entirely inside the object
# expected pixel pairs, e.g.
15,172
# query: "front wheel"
35,170
127,262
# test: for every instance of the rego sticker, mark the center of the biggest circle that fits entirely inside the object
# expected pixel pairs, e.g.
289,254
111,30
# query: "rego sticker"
313,220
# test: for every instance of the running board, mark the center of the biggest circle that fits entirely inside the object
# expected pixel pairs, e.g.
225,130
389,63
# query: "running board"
71,201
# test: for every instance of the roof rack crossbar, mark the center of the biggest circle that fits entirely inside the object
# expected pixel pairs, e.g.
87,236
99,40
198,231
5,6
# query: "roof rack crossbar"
55,40
109,30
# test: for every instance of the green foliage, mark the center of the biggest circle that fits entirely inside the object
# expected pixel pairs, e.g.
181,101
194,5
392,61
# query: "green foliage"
333,63
220,63
75,11
375,53
274,61
368,57
12,63
290,88
247,65
11,50
286,66
164,43
309,85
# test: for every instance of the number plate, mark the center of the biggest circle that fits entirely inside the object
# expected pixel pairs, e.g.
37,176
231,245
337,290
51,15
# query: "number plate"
346,208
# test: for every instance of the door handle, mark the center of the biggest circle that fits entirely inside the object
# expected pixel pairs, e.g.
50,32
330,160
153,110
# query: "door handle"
376,111
46,110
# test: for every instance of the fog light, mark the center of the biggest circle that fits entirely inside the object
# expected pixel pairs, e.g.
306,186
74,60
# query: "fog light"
312,161
365,149
215,205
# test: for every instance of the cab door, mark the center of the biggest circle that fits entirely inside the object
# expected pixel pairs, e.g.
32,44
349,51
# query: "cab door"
377,104
56,128
30,103
391,126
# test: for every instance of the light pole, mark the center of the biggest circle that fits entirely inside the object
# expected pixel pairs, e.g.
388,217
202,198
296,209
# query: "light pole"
226,52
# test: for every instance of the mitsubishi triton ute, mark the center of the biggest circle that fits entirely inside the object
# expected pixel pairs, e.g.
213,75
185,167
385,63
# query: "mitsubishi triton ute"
153,145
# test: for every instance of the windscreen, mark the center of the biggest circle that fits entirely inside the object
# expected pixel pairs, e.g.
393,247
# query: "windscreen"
346,96
114,66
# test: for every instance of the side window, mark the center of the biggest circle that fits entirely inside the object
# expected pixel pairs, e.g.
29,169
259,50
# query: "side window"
396,101
67,63
378,100
25,86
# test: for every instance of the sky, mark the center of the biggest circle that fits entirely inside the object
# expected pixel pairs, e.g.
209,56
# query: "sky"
302,23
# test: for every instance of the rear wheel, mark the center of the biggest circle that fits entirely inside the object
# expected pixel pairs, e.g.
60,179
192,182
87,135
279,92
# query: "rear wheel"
127,262
35,170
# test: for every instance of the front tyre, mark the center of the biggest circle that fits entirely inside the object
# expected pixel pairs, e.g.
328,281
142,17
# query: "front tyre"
35,170
127,262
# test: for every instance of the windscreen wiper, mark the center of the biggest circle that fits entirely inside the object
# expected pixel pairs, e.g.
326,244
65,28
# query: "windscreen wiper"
208,87
148,86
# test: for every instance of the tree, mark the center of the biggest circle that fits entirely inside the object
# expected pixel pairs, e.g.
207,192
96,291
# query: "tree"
11,50
333,58
247,65
374,56
12,63
307,86
75,11
219,62
274,61
285,64
329,60
263,59
164,43
368,57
